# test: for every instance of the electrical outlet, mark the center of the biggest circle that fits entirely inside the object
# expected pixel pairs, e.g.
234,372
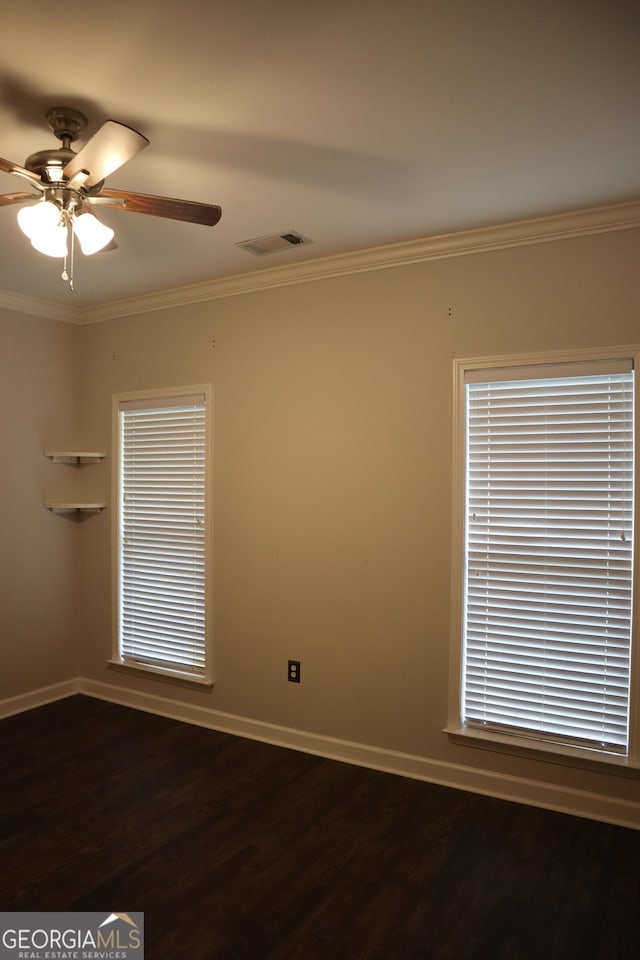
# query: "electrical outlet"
293,671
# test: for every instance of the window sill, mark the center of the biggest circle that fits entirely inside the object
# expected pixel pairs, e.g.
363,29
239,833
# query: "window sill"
160,673
546,752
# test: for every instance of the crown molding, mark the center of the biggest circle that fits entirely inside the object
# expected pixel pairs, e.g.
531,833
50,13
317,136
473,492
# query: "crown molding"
517,233
40,308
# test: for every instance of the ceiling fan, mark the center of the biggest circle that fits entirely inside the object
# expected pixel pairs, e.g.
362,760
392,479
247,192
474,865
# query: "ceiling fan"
68,185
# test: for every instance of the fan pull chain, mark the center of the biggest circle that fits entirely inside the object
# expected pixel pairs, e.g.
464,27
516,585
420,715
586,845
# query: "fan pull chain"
68,274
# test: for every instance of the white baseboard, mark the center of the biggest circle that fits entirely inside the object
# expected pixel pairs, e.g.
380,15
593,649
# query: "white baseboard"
38,698
517,789
578,803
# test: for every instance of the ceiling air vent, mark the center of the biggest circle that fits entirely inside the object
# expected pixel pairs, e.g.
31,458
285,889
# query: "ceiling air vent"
271,244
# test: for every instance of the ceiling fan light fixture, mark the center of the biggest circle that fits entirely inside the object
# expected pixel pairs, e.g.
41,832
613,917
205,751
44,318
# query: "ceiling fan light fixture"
68,180
92,234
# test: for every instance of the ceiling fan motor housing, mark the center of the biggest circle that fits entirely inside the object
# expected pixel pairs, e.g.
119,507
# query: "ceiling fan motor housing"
67,124
49,164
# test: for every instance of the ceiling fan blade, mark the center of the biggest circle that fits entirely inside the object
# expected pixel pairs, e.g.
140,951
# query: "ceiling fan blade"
111,146
188,210
8,198
8,167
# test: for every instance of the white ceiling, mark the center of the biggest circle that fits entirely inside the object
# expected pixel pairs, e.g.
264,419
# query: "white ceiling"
356,123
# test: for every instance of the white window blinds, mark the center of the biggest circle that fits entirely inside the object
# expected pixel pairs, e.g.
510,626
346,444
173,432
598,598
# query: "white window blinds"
548,572
162,533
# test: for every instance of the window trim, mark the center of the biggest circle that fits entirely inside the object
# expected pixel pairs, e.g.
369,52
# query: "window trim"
116,660
455,728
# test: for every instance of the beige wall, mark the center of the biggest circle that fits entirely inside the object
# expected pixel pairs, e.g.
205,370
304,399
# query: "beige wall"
332,480
38,371
332,477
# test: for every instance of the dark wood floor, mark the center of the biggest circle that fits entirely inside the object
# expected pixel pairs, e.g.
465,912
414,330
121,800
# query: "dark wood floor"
237,850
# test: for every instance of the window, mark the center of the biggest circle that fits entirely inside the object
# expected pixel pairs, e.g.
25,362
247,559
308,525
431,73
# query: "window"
162,538
544,581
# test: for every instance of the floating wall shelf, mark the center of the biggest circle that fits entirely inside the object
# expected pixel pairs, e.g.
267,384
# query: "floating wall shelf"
74,457
73,506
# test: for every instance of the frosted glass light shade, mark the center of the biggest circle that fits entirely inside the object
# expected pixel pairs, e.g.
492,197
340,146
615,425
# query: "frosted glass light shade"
53,243
92,234
42,224
38,218
26,220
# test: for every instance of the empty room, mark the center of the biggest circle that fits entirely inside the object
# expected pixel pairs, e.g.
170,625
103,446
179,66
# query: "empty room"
319,336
